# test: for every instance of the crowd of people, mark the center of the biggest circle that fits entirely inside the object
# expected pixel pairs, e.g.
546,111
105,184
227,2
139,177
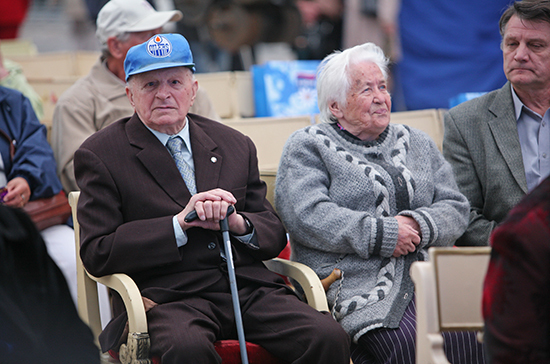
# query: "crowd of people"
141,141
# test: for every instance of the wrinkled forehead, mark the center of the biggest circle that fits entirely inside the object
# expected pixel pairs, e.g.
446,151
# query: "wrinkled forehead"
525,28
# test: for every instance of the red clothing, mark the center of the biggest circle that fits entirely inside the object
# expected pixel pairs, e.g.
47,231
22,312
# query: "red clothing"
12,14
516,297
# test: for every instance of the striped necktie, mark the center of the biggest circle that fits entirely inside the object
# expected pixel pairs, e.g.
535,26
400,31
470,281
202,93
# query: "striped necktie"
175,145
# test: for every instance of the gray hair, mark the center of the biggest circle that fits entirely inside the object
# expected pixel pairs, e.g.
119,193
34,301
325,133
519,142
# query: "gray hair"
532,10
122,37
333,82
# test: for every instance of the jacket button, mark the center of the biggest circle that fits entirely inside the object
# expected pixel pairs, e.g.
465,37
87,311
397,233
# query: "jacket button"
212,246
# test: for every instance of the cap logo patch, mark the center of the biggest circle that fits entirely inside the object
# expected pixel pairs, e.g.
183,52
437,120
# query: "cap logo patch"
159,47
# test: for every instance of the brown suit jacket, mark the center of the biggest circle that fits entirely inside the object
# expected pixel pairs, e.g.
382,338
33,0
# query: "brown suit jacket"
130,191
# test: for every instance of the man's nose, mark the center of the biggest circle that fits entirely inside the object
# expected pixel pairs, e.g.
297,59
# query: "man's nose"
163,91
522,52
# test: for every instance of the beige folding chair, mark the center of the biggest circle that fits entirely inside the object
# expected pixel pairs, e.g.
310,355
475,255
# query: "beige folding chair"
448,297
137,348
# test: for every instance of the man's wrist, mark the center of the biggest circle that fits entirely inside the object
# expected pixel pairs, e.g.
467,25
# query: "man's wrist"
249,227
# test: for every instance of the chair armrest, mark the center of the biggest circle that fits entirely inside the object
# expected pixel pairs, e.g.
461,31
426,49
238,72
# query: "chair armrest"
136,349
305,276
429,341
131,296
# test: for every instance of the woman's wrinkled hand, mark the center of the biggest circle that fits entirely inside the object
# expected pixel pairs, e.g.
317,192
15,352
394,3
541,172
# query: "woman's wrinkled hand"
409,236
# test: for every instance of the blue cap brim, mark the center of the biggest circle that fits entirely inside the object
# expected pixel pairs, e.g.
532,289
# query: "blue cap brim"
158,66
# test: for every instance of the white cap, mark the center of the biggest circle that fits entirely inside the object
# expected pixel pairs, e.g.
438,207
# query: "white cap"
120,16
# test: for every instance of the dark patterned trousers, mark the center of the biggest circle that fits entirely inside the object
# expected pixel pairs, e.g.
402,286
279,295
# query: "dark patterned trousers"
397,346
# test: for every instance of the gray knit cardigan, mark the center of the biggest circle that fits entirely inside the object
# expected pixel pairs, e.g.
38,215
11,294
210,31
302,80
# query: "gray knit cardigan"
337,197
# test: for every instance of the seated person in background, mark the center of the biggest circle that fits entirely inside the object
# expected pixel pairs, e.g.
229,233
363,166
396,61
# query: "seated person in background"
499,144
38,320
28,173
135,195
516,296
99,99
11,76
368,197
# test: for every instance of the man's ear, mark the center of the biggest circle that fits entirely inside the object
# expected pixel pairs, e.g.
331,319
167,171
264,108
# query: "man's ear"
195,90
130,96
115,47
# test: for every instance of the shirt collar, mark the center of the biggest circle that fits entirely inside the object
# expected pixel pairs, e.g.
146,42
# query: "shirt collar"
184,134
520,107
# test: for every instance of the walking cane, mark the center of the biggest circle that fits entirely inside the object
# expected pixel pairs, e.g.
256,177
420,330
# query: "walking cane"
224,227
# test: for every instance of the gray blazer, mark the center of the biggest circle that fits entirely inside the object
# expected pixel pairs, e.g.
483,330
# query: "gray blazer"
481,142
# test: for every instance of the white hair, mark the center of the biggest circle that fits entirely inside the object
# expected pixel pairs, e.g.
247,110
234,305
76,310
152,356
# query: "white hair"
333,82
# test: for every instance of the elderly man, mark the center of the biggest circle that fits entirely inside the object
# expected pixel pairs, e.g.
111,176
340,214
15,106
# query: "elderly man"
99,99
499,144
142,175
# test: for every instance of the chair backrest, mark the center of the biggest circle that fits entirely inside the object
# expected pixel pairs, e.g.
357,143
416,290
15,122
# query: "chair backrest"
18,47
448,296
459,276
430,121
231,93
269,177
269,135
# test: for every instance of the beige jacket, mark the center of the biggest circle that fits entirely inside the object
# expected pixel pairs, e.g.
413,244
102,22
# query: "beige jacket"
92,103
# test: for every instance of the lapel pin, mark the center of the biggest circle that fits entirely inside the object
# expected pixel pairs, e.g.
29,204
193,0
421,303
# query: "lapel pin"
213,159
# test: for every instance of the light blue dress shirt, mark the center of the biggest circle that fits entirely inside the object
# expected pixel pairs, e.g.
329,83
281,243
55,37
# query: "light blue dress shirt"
181,237
534,138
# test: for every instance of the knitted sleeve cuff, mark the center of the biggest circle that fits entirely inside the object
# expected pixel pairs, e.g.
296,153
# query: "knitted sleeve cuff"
427,225
384,237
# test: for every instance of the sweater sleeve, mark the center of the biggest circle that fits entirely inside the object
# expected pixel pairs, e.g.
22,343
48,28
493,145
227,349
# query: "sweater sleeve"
33,158
443,219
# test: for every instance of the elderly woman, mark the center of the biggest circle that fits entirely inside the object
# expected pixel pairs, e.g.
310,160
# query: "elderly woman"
368,197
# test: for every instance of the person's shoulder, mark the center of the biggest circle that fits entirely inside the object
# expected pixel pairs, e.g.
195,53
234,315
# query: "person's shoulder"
215,128
79,92
418,139
528,222
83,90
413,132
109,134
6,93
11,96
537,200
312,130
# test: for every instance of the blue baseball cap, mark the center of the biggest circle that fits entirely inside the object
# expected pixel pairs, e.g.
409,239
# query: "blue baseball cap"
161,51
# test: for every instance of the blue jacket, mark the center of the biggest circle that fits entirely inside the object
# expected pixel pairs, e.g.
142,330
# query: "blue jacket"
33,158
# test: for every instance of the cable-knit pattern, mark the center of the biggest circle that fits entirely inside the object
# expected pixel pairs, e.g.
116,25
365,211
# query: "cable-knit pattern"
380,189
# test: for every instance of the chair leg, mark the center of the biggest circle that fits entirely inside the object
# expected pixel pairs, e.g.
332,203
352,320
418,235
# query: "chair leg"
136,350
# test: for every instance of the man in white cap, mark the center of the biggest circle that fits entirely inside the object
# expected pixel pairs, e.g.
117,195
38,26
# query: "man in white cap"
142,176
99,99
